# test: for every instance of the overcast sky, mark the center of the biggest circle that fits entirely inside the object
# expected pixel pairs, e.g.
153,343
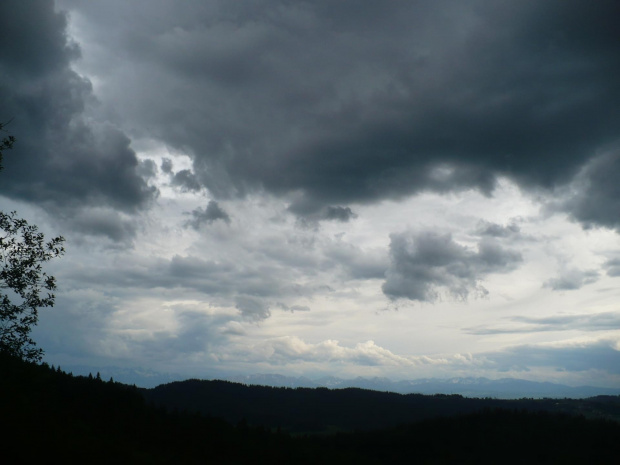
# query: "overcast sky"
405,189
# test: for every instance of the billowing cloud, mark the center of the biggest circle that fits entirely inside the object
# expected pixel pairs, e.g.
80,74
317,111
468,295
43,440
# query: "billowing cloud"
593,196
63,159
285,350
423,264
349,103
236,176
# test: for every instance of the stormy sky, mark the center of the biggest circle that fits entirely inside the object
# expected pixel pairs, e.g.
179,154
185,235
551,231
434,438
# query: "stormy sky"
406,189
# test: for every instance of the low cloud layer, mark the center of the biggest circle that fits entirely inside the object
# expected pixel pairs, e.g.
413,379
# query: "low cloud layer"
608,321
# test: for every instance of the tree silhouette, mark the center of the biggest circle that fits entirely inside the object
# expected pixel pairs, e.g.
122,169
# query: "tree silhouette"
6,142
24,286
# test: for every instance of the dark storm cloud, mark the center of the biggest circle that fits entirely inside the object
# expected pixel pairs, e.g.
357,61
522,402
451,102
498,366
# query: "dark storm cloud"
212,213
585,322
352,102
62,159
572,279
423,264
594,197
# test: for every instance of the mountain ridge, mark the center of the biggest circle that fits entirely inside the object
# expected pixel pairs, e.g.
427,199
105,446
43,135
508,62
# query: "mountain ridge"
503,388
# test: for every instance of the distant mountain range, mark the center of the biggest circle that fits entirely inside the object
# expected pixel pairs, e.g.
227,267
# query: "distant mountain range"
506,388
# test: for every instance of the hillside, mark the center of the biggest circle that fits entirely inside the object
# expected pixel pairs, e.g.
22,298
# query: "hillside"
52,416
319,410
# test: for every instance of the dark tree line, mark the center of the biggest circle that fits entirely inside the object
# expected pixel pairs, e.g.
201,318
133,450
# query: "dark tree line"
322,410
51,416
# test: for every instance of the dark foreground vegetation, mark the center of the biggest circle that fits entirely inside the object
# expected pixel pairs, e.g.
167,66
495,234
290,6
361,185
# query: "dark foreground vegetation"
321,410
52,417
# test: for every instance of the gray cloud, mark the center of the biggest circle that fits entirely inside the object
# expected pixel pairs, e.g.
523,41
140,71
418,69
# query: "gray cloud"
252,308
599,355
375,101
104,222
572,279
212,213
186,181
357,263
77,321
62,160
612,266
343,214
593,197
218,281
424,263
85,329
166,165
486,228
310,212
147,168
293,308
585,322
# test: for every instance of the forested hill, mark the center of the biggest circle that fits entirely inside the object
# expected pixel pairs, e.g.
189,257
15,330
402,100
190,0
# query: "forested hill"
49,416
319,410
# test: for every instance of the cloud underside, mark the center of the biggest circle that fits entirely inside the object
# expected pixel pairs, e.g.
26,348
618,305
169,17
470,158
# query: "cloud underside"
260,101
